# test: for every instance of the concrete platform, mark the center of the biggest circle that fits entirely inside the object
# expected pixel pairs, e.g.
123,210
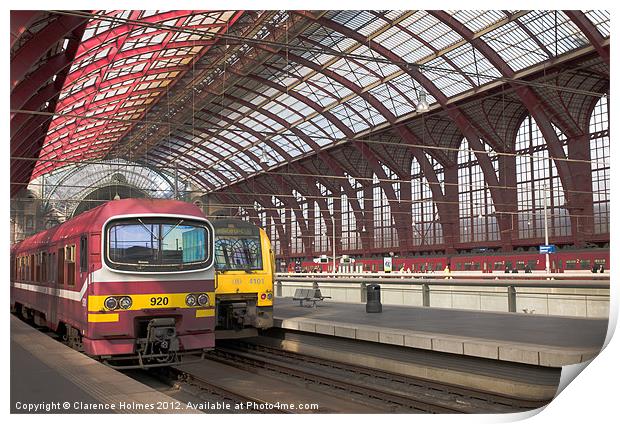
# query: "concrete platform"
49,377
522,338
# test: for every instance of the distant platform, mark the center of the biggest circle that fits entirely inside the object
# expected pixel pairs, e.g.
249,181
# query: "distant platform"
549,341
49,377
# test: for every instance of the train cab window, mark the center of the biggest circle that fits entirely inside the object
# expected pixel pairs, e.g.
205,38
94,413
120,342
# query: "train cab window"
83,254
157,245
238,247
70,261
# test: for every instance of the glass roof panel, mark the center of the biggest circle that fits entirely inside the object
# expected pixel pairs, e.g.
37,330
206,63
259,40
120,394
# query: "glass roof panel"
392,99
402,44
430,30
323,98
558,39
330,85
92,68
473,64
515,46
477,20
600,18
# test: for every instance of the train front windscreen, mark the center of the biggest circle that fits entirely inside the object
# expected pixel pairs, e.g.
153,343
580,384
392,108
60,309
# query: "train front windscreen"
157,244
237,248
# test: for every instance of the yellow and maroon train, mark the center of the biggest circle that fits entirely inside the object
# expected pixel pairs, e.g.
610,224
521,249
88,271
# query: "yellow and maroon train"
244,270
130,282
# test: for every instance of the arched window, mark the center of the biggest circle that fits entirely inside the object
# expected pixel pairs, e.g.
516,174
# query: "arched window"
477,220
297,244
274,234
537,176
425,218
243,214
351,239
599,156
262,214
321,236
386,234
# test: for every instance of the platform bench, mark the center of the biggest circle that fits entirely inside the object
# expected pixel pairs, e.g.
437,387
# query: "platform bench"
309,295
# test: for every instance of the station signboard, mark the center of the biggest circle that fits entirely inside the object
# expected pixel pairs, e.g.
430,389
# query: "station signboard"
547,248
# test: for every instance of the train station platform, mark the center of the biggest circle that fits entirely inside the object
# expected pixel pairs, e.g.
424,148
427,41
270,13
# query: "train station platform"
49,377
548,341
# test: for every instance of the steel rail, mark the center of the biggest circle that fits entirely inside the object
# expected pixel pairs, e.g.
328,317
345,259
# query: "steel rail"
250,362
414,383
213,389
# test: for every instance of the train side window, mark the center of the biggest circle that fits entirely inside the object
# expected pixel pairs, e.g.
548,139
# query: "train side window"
520,264
532,263
571,264
498,266
43,267
585,263
52,268
70,260
60,266
31,266
83,254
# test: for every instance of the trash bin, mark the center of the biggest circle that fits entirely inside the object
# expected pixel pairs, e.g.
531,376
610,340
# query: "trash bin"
373,298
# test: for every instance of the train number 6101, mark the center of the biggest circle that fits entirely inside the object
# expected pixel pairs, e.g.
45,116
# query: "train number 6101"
159,301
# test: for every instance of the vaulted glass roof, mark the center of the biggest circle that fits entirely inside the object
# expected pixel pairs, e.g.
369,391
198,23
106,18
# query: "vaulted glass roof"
269,87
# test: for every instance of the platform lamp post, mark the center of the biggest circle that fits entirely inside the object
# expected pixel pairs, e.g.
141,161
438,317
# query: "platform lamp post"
547,267
333,238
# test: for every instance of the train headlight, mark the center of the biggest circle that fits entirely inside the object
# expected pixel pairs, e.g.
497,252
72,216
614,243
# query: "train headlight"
190,300
111,303
269,296
125,302
203,299
263,296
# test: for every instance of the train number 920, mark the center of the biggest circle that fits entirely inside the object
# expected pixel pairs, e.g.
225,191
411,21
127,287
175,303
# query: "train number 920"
159,301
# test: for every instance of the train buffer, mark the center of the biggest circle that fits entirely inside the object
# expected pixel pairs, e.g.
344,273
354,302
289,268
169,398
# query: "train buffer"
309,295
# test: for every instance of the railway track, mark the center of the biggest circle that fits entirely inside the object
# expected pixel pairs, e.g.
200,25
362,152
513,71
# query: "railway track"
392,401
212,392
400,393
